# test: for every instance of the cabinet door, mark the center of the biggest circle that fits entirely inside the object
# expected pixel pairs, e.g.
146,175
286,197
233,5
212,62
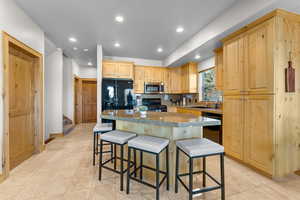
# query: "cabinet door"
109,70
125,70
259,59
219,69
259,132
139,77
184,78
177,80
166,79
192,78
233,126
234,67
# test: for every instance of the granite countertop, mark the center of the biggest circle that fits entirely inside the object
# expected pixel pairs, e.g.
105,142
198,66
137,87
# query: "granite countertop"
209,110
160,118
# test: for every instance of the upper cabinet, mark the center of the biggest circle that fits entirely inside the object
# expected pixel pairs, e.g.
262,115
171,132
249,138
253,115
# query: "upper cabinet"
219,68
189,78
114,69
139,79
175,80
233,77
259,75
248,61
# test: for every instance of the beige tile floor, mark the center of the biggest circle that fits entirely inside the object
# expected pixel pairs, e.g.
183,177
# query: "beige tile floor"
64,171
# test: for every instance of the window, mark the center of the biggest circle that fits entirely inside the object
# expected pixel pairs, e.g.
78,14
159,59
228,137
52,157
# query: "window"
207,86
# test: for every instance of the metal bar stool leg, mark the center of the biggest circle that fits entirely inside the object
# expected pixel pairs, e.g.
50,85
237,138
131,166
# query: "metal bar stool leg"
191,179
134,160
167,167
94,149
157,176
128,171
222,177
141,164
177,170
100,160
111,152
122,170
204,170
115,156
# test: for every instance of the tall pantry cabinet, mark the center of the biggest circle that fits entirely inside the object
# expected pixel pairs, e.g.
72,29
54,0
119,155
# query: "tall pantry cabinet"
261,122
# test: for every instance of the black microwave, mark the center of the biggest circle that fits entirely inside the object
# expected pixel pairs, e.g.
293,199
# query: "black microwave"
154,88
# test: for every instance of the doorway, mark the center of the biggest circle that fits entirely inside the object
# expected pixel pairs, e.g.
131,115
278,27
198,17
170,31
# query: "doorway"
23,102
85,100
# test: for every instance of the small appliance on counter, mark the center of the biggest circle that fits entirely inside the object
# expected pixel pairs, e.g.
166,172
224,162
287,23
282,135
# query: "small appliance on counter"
154,88
154,104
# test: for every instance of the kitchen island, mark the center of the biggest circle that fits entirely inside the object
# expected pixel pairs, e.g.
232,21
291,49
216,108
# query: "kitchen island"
173,126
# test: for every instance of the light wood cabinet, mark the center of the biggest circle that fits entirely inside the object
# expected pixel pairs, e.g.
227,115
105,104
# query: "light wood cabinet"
109,69
259,73
139,79
261,120
175,80
219,68
233,77
189,78
233,126
114,69
258,135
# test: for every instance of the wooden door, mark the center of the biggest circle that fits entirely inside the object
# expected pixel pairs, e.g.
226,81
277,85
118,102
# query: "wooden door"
259,132
125,70
233,126
89,101
78,101
234,67
109,69
259,59
21,106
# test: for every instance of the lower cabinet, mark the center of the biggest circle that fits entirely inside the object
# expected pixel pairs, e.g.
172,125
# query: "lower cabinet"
233,126
248,130
258,139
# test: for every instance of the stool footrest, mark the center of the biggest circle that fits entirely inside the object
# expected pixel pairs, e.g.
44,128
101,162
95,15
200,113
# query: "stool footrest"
118,158
206,189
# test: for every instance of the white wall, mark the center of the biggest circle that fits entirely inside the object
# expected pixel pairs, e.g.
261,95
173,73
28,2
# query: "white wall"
53,93
16,23
137,61
99,82
87,72
68,88
206,64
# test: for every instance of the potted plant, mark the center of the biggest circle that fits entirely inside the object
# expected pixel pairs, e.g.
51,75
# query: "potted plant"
143,110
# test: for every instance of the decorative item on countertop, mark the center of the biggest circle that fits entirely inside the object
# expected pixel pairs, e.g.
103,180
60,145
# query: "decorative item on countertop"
143,110
290,76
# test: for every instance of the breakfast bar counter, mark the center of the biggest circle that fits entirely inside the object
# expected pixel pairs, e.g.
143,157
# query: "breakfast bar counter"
173,126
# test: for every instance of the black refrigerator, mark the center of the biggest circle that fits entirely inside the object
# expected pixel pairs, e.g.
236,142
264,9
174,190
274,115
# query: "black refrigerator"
117,94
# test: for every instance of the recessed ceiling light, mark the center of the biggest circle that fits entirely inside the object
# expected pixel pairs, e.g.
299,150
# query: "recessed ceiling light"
159,50
75,48
117,44
197,56
119,18
85,50
179,29
90,63
72,39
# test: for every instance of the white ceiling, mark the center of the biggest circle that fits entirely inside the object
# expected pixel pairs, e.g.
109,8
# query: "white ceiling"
148,24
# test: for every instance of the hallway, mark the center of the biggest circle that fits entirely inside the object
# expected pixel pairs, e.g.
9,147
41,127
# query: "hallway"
64,171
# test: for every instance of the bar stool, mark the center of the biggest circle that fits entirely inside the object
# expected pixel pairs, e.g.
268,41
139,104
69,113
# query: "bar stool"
199,148
116,138
152,145
98,130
